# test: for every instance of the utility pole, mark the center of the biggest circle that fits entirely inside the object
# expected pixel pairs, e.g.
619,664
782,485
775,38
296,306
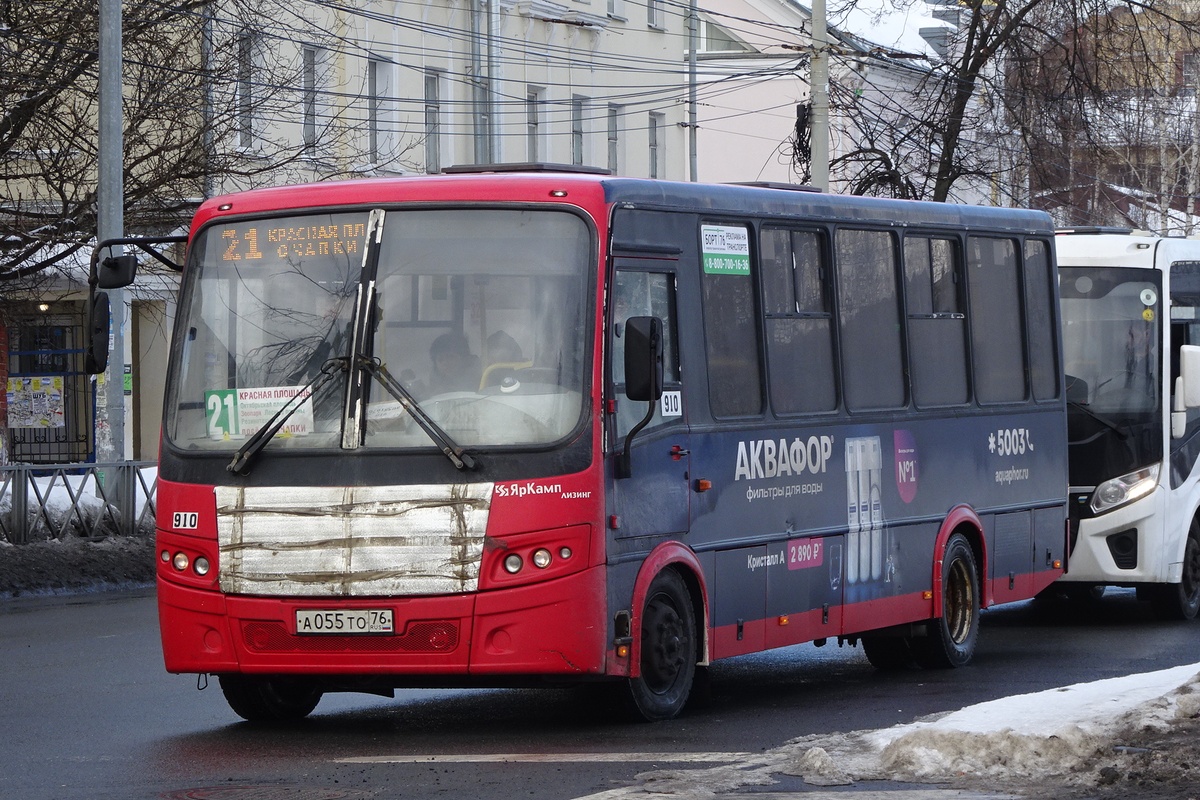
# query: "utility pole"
110,214
493,81
819,79
693,43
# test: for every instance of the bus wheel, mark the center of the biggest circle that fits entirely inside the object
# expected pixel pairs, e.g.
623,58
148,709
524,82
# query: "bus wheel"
1181,601
887,652
259,699
668,649
951,637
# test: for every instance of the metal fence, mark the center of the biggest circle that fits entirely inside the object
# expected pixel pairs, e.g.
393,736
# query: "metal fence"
88,501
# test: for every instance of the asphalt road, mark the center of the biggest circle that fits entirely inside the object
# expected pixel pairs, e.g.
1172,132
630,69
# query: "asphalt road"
86,711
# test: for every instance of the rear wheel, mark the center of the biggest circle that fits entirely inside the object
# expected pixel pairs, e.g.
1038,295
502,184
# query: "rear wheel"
1181,601
260,699
951,637
668,649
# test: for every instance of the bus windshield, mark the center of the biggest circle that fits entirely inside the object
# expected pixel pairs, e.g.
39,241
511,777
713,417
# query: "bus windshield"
1112,359
475,313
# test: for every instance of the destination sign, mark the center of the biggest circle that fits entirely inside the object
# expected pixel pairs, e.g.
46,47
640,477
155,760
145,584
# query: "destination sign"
291,239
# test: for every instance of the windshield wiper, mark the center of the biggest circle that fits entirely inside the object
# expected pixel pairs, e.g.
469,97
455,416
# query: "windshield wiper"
258,440
453,451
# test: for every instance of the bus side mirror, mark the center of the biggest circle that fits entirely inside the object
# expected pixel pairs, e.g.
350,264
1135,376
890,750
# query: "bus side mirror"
643,376
96,357
1189,370
643,359
1187,389
116,272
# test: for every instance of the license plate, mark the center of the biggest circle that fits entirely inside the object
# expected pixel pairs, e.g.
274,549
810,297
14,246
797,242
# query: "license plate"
343,622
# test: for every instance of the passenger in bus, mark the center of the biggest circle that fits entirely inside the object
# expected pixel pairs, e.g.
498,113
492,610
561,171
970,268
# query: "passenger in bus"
455,367
504,358
503,349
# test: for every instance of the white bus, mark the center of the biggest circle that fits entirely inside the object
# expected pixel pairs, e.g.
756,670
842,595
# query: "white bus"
1130,322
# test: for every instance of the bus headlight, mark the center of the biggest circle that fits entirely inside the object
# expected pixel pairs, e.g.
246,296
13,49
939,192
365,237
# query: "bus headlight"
1125,489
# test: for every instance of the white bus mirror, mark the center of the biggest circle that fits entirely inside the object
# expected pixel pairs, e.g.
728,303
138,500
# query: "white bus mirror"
1189,372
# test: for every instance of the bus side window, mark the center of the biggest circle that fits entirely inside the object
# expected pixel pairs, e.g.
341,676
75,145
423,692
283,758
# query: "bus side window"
642,294
937,328
869,320
730,322
997,349
1184,327
799,325
1039,319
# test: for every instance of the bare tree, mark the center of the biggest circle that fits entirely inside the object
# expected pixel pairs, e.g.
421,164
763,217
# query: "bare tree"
216,96
1010,77
1108,111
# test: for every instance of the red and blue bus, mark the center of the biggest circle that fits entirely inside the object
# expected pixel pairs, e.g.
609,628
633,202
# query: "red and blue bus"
502,428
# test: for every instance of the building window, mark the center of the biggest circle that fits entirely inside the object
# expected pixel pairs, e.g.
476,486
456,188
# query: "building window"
614,139
655,17
577,131
374,108
309,85
433,121
616,9
533,123
1190,70
656,131
246,47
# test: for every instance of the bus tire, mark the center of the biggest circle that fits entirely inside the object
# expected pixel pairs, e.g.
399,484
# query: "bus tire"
668,649
1181,601
951,637
270,700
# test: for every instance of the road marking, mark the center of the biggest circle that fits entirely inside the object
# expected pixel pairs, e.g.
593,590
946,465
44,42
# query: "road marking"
549,758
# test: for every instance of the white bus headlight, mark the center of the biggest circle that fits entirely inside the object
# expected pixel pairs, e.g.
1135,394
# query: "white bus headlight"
1125,489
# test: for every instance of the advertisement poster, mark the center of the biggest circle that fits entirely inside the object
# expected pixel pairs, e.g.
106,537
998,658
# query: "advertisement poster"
36,402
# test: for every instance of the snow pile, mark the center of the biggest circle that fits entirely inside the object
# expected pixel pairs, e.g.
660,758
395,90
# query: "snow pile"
1024,736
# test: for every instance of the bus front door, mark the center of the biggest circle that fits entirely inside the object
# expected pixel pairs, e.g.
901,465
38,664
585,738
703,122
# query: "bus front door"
653,500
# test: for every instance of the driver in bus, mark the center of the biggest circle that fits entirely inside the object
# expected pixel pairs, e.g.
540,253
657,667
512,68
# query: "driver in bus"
455,368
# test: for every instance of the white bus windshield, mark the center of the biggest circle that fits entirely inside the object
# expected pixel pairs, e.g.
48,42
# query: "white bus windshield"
477,313
1112,360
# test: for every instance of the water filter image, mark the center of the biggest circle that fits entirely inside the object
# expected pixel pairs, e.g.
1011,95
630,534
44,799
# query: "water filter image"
852,536
873,468
865,539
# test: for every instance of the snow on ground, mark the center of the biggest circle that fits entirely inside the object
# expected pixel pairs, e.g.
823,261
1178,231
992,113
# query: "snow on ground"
1045,744
1024,736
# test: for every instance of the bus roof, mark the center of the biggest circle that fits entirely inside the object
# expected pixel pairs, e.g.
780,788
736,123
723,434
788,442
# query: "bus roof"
1123,249
588,189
